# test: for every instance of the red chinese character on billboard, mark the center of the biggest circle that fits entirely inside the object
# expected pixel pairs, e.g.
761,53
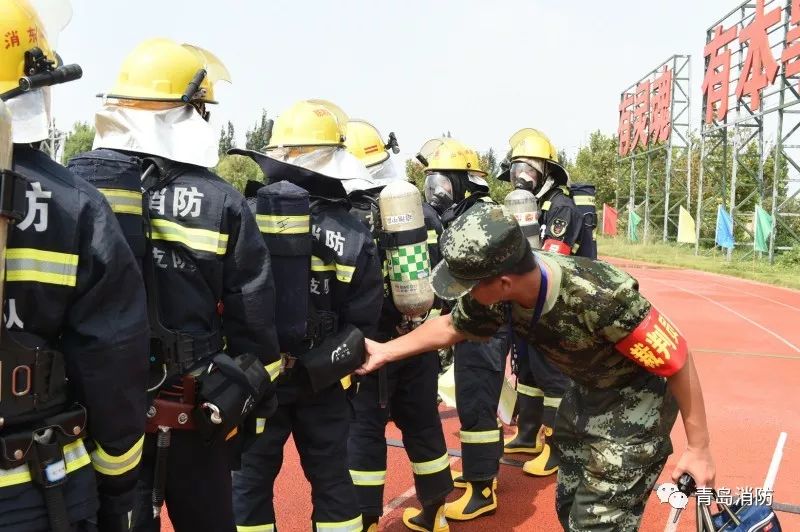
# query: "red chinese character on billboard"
718,73
759,68
661,108
624,130
641,111
791,52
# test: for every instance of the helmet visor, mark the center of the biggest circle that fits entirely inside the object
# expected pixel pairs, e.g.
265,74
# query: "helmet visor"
438,190
526,175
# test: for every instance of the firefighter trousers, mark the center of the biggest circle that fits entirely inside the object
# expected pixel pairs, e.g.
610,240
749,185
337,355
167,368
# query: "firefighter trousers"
540,385
319,424
479,374
198,485
412,390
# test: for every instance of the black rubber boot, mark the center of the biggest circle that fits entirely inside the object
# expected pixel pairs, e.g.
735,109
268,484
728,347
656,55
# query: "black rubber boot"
528,422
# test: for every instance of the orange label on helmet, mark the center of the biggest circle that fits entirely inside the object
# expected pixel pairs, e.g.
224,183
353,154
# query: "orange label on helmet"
656,345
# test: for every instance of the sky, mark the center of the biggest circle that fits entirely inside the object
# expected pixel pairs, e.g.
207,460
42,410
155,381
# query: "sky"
479,69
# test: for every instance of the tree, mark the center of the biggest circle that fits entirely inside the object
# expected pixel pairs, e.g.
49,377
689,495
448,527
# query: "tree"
78,141
258,137
237,170
415,173
226,139
489,162
596,164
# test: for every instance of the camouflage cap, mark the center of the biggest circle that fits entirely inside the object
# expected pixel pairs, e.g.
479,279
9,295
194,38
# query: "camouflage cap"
483,242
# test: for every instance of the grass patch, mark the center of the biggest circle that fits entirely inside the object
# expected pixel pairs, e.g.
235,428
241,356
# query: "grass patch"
785,271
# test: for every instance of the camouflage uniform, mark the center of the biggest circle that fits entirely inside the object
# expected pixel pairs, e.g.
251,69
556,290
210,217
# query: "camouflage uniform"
613,425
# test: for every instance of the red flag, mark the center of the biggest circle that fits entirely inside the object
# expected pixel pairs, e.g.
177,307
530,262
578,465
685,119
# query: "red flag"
609,220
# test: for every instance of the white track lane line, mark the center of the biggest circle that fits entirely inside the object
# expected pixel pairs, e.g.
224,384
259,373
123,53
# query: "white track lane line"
745,318
765,298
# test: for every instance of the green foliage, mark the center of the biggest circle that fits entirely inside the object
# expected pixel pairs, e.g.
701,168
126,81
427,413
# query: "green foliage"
237,170
226,139
415,173
258,137
78,141
596,164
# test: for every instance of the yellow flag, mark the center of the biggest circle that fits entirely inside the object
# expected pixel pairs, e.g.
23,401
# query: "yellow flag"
686,227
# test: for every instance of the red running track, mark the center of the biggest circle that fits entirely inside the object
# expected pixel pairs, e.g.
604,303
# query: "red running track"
745,337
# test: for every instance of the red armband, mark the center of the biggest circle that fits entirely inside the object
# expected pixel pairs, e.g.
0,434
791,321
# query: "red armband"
656,345
556,246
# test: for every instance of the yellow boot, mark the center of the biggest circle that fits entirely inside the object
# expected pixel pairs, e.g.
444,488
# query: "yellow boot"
415,519
480,498
547,462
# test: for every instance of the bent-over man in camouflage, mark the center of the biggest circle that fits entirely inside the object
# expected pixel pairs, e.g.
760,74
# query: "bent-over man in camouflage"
631,368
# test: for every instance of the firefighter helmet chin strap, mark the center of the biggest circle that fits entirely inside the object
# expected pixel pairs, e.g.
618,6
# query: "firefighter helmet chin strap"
42,72
548,185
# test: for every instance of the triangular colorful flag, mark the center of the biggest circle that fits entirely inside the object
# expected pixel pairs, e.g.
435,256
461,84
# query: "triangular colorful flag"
610,216
763,228
633,224
686,227
724,233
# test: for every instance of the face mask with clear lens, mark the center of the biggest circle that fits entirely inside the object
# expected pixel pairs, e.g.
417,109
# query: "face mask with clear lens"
524,176
438,191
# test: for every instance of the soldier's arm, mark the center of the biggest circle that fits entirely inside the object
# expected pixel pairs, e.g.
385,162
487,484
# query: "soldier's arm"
248,293
105,344
436,333
562,231
696,459
649,339
468,321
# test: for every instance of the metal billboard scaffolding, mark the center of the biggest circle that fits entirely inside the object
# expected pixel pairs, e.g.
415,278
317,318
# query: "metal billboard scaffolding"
752,59
654,166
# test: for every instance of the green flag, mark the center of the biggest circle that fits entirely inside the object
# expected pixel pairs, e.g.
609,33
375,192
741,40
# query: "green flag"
763,228
633,224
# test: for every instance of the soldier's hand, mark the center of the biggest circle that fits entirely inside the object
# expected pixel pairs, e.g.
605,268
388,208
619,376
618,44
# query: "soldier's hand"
376,357
699,463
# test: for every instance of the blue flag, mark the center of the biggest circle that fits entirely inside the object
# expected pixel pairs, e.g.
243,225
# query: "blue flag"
724,237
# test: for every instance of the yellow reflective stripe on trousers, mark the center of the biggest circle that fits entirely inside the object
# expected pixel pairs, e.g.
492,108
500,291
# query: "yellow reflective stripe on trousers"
584,200
37,265
343,273
530,391
75,457
261,424
107,464
433,238
199,239
552,402
256,528
431,466
484,436
353,525
284,224
123,201
368,478
273,369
